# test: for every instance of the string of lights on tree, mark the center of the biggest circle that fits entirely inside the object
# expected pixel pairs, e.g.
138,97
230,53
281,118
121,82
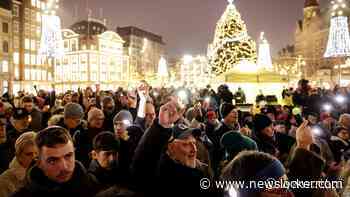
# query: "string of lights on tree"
232,43
339,40
51,44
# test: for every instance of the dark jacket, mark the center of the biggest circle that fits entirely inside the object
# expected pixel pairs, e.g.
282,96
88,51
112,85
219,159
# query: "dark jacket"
12,135
279,145
105,178
218,152
37,184
83,145
338,147
37,120
108,124
175,179
147,155
127,151
5,155
305,166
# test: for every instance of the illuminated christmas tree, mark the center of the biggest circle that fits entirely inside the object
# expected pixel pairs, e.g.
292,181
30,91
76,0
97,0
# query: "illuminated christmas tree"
339,39
232,43
264,55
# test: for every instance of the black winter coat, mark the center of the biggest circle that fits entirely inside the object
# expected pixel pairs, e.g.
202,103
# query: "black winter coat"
147,156
37,184
175,179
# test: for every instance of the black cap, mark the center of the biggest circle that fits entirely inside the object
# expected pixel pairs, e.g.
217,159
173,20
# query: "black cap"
181,131
105,141
20,113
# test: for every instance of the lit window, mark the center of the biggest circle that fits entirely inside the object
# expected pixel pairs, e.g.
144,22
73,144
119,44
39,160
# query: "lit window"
32,74
26,74
5,66
38,4
38,17
16,58
33,60
38,59
33,45
5,86
27,43
26,59
38,31
34,3
38,74
43,74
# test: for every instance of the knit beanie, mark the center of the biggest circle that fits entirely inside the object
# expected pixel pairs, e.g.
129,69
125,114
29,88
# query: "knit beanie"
226,108
261,122
73,110
234,142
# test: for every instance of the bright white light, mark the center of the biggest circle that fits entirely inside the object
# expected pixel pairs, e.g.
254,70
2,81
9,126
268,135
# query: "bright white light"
182,94
162,68
264,55
207,99
232,192
339,40
126,122
187,59
246,66
340,99
51,44
316,131
156,94
327,107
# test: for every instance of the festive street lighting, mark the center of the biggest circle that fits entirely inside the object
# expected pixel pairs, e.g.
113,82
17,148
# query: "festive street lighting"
51,44
264,55
339,39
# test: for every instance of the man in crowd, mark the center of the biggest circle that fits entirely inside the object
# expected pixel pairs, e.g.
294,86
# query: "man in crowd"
5,145
19,123
83,142
109,110
36,123
73,119
105,164
56,172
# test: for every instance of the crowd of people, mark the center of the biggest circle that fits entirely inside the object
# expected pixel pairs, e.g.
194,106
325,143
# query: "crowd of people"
164,141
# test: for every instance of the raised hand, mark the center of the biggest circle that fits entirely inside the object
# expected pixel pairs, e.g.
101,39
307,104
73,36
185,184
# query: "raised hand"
304,136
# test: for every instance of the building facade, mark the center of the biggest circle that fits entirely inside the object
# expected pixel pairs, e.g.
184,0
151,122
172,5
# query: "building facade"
195,71
92,56
6,46
311,39
29,67
144,49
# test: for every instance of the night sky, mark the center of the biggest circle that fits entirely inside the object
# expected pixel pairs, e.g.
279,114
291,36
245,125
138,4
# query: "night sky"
187,26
